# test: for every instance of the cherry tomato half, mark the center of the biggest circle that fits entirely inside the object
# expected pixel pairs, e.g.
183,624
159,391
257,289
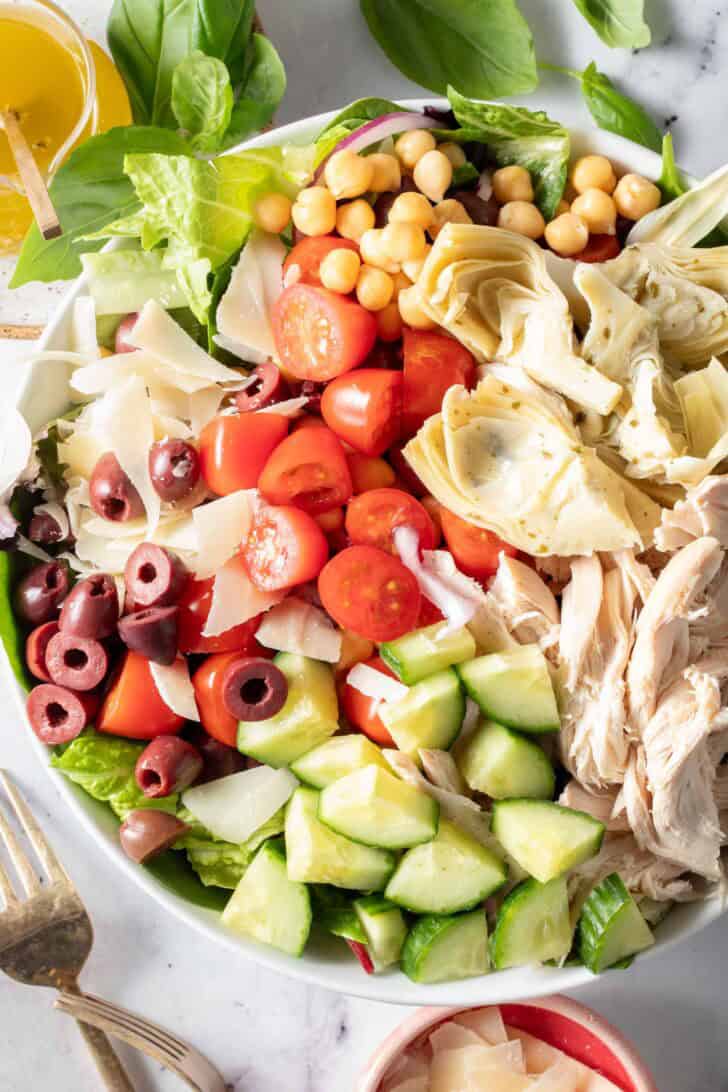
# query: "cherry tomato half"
285,547
133,706
319,334
432,364
370,592
368,472
307,256
234,449
361,711
600,248
331,521
364,408
194,607
309,470
476,550
372,517
207,682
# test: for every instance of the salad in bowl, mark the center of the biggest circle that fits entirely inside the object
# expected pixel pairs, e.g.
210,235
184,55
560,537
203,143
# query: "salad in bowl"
364,552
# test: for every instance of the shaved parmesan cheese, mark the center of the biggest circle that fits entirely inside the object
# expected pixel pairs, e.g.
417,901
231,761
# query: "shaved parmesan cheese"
83,327
124,418
57,514
539,1056
235,599
473,1068
32,549
234,807
487,1023
296,626
16,445
203,407
562,1077
375,684
243,313
413,1084
174,687
221,526
292,407
451,1036
440,580
159,334
239,349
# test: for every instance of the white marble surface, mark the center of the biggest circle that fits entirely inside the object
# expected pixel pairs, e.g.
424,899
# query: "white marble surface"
266,1033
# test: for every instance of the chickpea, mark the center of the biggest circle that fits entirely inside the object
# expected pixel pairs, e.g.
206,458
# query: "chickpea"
593,172
413,269
433,175
597,210
389,323
448,212
353,218
314,211
567,234
272,212
348,174
523,218
400,281
453,152
387,174
339,270
412,312
403,242
635,196
373,253
374,288
512,184
411,146
412,208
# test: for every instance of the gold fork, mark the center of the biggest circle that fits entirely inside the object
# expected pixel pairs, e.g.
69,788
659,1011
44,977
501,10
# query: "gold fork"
45,939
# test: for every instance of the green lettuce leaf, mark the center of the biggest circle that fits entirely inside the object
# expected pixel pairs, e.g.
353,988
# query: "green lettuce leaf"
202,100
619,23
121,281
219,863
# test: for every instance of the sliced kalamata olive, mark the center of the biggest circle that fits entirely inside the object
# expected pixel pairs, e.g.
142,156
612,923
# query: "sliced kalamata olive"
152,633
166,765
253,688
91,608
35,649
384,202
40,593
174,467
154,577
57,714
146,832
269,387
9,528
111,492
479,211
44,529
218,759
121,345
312,391
80,663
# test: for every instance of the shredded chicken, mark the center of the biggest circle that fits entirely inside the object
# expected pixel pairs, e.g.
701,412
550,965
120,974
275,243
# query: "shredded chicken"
601,805
704,511
525,604
641,872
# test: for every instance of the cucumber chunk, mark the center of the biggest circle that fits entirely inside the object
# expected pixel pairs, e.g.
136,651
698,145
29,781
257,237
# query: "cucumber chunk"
267,905
446,948
513,688
336,758
611,927
546,839
334,911
426,651
429,716
385,929
309,716
317,855
500,762
449,874
533,925
374,807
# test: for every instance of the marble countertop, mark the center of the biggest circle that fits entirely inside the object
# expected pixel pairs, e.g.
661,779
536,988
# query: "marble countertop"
266,1033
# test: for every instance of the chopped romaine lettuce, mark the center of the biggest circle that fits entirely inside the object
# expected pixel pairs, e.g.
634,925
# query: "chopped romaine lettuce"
123,280
219,863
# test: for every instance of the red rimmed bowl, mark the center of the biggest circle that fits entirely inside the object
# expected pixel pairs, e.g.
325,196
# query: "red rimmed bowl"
562,1023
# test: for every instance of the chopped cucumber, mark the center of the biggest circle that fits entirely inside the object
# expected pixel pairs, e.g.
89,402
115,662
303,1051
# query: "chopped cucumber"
318,855
309,716
334,911
385,929
426,651
611,927
429,716
652,911
267,905
374,807
449,874
533,925
500,762
447,948
513,688
546,839
336,758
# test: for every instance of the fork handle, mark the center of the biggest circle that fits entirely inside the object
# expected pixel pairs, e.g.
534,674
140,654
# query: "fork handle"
110,1069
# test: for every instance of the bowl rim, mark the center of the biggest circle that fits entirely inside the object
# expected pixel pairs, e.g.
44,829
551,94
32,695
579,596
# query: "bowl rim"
323,968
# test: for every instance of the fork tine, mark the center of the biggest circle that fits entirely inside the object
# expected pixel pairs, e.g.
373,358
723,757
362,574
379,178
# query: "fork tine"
6,889
37,839
151,1032
23,866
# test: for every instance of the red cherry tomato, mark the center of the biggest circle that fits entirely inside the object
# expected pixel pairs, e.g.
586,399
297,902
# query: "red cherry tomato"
309,470
332,521
361,711
434,511
476,550
285,547
432,364
207,681
372,517
600,248
370,592
364,408
194,607
319,334
133,706
307,256
368,472
234,449
429,614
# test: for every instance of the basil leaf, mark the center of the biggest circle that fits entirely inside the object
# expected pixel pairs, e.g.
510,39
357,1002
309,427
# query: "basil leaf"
616,112
262,89
484,47
222,28
619,23
89,191
202,100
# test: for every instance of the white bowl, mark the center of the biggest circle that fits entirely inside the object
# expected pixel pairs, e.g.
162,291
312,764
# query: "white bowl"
327,962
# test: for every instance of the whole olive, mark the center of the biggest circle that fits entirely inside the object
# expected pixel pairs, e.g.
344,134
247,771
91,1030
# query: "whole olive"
44,529
57,714
218,759
41,592
168,764
174,467
91,608
80,663
253,688
384,202
152,633
35,649
154,577
112,494
480,211
121,345
146,832
269,387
